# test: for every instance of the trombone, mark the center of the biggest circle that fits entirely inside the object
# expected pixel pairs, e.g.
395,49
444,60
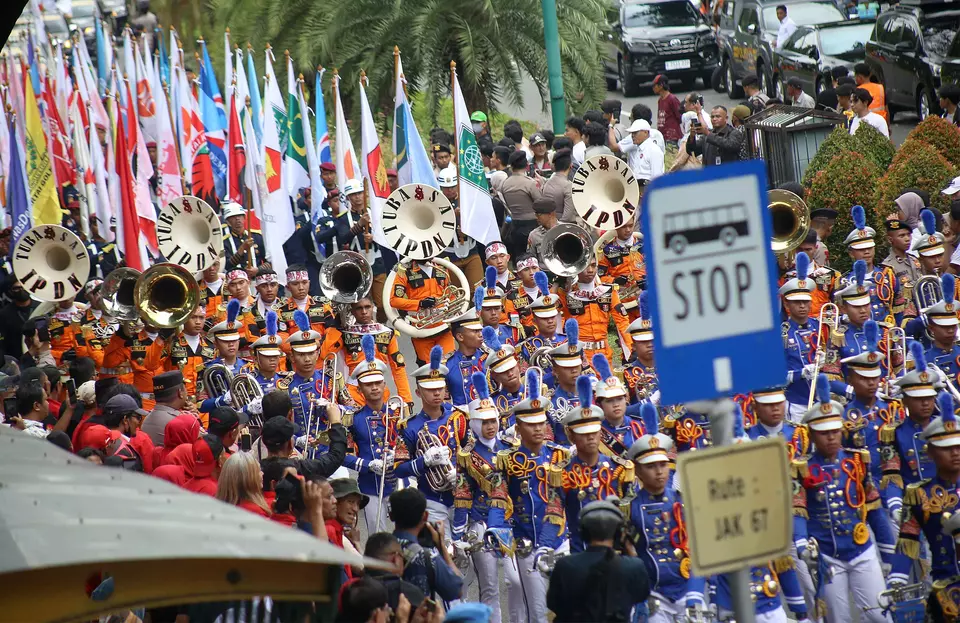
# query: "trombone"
829,317
394,404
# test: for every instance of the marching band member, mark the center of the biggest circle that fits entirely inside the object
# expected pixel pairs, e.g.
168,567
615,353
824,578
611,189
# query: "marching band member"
347,342
95,326
590,475
477,462
134,355
770,406
855,305
254,316
902,442
592,303
622,263
238,289
885,299
432,438
944,599
825,279
522,297
657,513
211,282
64,326
491,309
801,337
929,503
468,358
265,367
305,383
371,430
618,430
567,366
298,287
504,371
942,324
929,247
545,318
237,241
420,286
226,338
835,499
499,259
639,373
529,480
189,350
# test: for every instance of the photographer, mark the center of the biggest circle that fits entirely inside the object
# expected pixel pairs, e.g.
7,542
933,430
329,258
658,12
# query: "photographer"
598,584
292,499
277,437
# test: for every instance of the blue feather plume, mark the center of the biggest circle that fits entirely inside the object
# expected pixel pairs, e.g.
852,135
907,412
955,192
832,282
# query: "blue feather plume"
533,385
651,420
478,298
301,320
919,357
948,285
572,331
490,339
737,423
271,321
491,277
872,334
233,310
585,390
859,217
367,345
860,272
945,402
929,222
436,355
644,305
543,284
823,389
602,366
480,384
803,265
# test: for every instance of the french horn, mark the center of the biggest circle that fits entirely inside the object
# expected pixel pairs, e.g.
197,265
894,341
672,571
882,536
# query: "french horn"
345,277
605,192
433,321
51,263
189,233
566,250
165,295
418,221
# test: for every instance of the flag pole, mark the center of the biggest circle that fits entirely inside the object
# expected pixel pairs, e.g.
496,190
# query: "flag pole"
366,190
456,149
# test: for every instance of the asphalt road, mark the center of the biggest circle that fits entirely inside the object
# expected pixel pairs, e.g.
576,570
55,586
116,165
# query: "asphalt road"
532,109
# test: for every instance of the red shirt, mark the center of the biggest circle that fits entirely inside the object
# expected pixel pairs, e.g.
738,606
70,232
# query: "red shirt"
668,117
253,508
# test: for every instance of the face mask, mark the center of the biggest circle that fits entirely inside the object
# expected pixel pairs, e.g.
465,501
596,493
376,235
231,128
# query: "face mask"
20,295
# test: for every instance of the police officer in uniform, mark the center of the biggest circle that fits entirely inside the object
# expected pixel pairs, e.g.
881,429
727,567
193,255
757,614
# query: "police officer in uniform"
905,267
468,358
237,241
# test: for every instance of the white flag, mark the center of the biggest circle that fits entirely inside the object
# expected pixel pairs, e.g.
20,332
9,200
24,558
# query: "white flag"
347,166
277,221
477,219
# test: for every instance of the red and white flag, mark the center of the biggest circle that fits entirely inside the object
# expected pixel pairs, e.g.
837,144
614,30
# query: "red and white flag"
169,182
129,237
235,146
374,169
142,175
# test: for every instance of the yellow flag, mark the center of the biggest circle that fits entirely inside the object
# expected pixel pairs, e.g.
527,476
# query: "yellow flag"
43,189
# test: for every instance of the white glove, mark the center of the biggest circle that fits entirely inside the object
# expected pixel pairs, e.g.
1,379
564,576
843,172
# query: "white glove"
226,399
808,369
300,442
897,514
438,455
256,406
375,466
388,458
655,397
538,559
573,451
509,434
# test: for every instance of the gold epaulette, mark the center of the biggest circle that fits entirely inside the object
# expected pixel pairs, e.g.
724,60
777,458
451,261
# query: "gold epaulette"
502,460
888,433
463,456
669,422
891,479
864,456
447,357
346,417
915,494
837,337
799,469
783,564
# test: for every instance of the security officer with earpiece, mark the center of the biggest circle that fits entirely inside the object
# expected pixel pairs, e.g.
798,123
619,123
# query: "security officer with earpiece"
599,584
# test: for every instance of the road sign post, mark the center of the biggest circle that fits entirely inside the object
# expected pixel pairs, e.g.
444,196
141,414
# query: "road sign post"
712,282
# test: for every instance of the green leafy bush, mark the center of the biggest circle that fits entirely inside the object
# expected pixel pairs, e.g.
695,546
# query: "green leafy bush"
838,142
832,188
875,146
916,165
941,135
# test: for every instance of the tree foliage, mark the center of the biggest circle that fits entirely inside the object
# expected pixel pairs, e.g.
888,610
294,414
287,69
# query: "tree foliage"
869,142
916,165
941,135
838,142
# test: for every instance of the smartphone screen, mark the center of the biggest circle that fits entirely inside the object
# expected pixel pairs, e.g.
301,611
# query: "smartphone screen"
246,441
9,407
72,390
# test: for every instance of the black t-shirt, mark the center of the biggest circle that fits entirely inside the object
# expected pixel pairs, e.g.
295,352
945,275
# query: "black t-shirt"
585,587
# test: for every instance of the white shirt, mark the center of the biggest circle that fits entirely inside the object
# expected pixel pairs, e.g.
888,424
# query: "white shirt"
787,28
804,100
193,341
657,137
34,428
579,154
645,159
873,119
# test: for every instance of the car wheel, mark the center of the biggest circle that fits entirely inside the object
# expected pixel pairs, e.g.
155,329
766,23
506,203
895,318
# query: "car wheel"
628,87
611,84
923,103
717,80
765,82
779,88
733,90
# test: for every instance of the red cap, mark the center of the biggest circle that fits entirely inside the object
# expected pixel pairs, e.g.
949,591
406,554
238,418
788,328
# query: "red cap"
392,172
327,166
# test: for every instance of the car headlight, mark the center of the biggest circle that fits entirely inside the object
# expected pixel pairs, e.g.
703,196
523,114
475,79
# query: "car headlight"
641,47
935,70
708,39
88,30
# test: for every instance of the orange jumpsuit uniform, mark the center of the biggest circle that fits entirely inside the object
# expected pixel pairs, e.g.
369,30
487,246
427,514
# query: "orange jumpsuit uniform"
63,334
592,310
411,286
520,299
826,281
347,343
88,344
177,355
135,361
318,311
624,265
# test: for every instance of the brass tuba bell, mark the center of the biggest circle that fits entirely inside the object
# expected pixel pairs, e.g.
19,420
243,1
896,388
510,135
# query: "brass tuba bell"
345,277
165,295
117,294
791,220
566,250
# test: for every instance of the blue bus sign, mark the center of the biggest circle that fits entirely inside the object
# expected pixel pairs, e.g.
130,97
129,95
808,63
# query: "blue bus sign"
712,283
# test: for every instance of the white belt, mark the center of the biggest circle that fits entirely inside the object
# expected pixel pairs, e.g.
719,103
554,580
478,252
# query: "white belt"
593,345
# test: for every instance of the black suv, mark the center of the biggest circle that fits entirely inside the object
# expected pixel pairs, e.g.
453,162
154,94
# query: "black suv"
748,36
667,37
906,51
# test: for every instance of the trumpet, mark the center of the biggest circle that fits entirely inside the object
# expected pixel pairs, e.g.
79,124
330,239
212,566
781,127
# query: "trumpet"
829,317
541,357
395,404
217,380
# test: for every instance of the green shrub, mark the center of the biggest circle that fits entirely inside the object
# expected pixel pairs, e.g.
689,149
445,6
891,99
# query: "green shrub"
941,135
916,165
832,188
875,146
838,142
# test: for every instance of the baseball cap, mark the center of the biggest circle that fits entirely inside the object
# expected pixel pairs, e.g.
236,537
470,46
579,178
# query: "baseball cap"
795,83
479,116
953,187
122,404
741,112
277,431
537,138
640,125
225,419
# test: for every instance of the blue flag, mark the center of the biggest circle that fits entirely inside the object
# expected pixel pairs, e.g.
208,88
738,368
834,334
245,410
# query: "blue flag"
255,102
19,197
214,121
103,69
32,61
323,134
413,164
164,59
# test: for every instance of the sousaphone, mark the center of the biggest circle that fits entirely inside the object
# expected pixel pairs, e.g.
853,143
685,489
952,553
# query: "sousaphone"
605,192
189,233
51,263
